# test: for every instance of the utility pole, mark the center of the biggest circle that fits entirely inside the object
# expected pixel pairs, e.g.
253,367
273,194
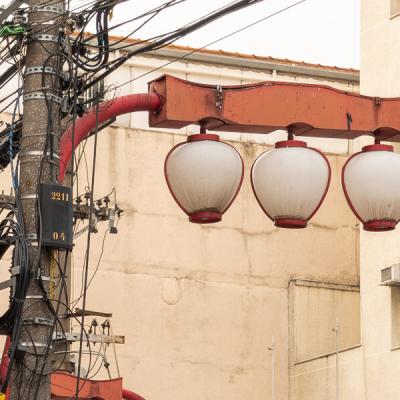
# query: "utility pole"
39,163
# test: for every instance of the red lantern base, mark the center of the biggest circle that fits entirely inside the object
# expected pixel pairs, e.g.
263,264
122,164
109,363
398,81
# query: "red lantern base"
379,225
291,223
205,217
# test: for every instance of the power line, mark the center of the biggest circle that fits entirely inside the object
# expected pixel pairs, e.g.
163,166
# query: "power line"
215,41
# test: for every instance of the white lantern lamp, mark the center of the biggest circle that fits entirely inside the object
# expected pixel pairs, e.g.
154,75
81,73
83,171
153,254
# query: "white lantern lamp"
204,176
290,182
371,184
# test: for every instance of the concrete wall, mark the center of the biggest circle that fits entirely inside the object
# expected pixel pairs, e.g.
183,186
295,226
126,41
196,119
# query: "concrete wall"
199,305
371,371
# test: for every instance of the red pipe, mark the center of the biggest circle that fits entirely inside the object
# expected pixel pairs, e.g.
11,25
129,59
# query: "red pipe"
107,110
128,395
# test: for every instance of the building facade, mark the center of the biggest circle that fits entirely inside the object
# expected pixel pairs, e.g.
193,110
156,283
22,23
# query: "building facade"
240,309
229,311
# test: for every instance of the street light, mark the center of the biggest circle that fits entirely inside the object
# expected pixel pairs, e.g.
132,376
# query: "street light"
290,182
371,184
204,176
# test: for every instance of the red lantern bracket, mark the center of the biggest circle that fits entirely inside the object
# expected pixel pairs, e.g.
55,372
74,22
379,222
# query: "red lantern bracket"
304,109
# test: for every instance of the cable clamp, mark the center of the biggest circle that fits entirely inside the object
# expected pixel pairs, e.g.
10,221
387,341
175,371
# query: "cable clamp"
34,296
46,38
38,153
41,70
42,96
43,278
49,9
39,321
31,237
29,197
40,134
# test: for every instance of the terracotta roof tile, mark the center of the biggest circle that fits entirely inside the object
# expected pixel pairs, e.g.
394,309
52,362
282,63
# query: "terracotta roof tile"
246,56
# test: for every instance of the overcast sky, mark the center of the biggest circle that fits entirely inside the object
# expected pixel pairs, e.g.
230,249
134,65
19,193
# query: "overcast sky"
318,31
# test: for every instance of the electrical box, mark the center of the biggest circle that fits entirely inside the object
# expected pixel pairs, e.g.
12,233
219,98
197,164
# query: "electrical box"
56,216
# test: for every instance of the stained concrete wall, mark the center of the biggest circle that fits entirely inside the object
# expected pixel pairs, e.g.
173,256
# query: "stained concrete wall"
370,371
199,305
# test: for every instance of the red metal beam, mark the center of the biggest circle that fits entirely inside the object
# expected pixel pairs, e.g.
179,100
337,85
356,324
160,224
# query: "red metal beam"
309,110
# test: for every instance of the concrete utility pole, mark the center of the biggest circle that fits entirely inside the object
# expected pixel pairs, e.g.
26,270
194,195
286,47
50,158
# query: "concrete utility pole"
41,115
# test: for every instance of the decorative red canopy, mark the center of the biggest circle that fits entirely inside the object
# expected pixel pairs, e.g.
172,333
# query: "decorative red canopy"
306,110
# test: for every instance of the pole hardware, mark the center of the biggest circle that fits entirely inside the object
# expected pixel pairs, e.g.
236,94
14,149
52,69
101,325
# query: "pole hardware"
49,9
38,153
46,38
31,237
46,70
42,96
39,321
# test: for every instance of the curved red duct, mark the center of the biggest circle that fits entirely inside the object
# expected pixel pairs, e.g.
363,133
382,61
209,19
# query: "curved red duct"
128,395
107,110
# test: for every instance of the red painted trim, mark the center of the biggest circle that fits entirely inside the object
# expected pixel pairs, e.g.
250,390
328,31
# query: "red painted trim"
108,109
205,217
128,395
379,225
377,147
374,225
203,136
290,223
173,194
322,198
290,143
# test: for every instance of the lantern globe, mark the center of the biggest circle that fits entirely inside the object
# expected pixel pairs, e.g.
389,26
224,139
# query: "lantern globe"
204,176
290,183
371,184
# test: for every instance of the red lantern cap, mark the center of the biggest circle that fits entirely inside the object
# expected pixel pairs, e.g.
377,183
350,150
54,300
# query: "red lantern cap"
203,136
377,147
290,143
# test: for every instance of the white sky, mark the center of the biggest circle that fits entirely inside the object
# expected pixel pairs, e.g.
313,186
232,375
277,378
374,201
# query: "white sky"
317,31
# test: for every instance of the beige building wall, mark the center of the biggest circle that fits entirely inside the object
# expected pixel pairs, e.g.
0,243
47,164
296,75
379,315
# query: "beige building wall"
201,305
372,370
